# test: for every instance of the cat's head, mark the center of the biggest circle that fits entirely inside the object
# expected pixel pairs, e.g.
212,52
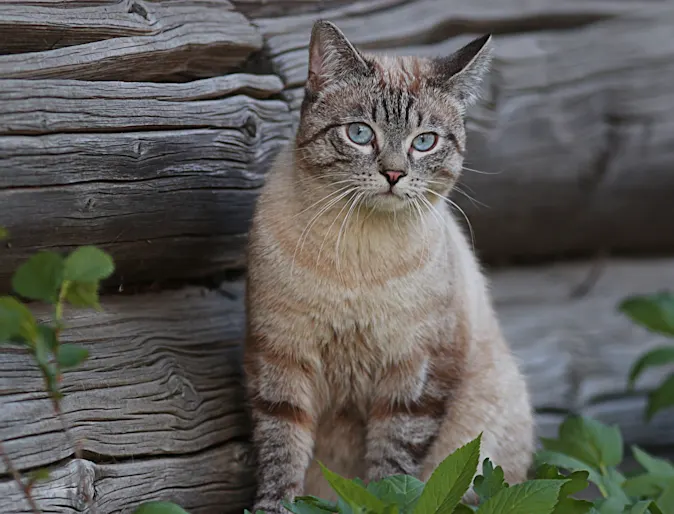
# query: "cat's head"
388,129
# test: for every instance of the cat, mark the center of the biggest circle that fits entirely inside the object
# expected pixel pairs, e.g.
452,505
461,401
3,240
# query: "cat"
372,345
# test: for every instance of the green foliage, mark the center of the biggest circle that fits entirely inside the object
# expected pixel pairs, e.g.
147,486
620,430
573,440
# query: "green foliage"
656,313
3,233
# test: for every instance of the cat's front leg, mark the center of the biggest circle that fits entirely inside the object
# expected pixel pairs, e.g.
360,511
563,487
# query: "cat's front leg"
409,406
282,406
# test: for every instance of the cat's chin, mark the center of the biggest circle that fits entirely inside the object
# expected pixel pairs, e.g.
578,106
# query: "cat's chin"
388,202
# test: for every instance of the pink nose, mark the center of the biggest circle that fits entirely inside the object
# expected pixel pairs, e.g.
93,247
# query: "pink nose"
393,176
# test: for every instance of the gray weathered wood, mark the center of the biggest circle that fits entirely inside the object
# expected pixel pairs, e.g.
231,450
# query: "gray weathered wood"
162,175
158,407
163,383
575,126
128,40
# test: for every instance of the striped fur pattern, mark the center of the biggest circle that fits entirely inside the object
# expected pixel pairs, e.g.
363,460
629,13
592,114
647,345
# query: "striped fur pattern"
372,345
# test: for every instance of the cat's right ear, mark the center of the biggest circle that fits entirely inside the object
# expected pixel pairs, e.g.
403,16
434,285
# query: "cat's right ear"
331,57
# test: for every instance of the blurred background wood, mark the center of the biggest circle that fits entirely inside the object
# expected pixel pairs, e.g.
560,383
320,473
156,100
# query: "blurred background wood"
147,127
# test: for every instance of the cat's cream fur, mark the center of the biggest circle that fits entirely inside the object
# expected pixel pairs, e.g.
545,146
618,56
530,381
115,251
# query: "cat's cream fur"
372,345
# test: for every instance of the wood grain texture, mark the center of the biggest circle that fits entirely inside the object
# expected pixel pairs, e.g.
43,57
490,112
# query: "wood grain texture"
164,176
575,125
160,400
123,40
158,408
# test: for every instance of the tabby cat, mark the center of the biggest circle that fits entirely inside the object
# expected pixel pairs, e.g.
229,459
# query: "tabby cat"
372,344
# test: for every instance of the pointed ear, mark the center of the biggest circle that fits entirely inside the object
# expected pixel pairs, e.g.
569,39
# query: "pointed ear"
462,72
331,57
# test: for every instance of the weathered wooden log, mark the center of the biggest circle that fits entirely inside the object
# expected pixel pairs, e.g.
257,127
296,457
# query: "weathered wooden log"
159,406
161,175
128,40
575,126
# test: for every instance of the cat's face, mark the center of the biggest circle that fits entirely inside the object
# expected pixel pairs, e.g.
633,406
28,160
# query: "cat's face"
386,131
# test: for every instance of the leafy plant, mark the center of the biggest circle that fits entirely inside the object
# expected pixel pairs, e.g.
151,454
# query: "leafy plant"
656,313
58,281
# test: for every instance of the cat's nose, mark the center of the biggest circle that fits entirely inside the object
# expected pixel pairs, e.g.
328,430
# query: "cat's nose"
393,176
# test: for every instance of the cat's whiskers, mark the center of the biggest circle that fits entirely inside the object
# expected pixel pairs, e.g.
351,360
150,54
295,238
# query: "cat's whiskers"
320,250
465,216
305,233
480,172
356,200
343,188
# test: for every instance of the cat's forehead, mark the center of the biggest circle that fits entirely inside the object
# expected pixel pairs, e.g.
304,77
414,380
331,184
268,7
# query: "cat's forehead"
400,72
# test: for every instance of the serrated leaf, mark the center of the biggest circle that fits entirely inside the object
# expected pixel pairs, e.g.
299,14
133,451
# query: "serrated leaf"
534,496
83,294
403,490
16,321
653,464
490,482
352,493
660,356
661,398
158,507
88,264
450,480
654,312
40,277
71,355
589,441
573,483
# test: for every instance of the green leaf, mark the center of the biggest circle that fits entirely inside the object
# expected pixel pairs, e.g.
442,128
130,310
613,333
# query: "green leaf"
490,482
657,357
71,355
40,277
654,312
589,441
653,464
647,485
654,509
159,508
352,493
611,505
639,507
47,336
564,461
4,234
450,480
16,320
661,398
403,490
83,294
666,500
534,496
88,264
309,505
574,483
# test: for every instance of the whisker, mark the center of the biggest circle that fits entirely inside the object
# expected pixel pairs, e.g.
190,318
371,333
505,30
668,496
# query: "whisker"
480,172
320,250
470,226
356,199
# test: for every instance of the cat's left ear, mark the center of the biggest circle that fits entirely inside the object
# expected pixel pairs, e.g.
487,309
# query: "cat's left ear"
462,72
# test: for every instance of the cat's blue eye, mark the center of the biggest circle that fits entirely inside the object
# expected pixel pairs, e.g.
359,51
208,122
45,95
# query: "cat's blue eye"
360,133
425,142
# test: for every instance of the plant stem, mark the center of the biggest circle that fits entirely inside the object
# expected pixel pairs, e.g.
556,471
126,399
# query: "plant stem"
58,313
17,478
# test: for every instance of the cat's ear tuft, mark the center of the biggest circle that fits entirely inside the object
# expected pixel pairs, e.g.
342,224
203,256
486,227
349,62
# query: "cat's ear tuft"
462,72
331,57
